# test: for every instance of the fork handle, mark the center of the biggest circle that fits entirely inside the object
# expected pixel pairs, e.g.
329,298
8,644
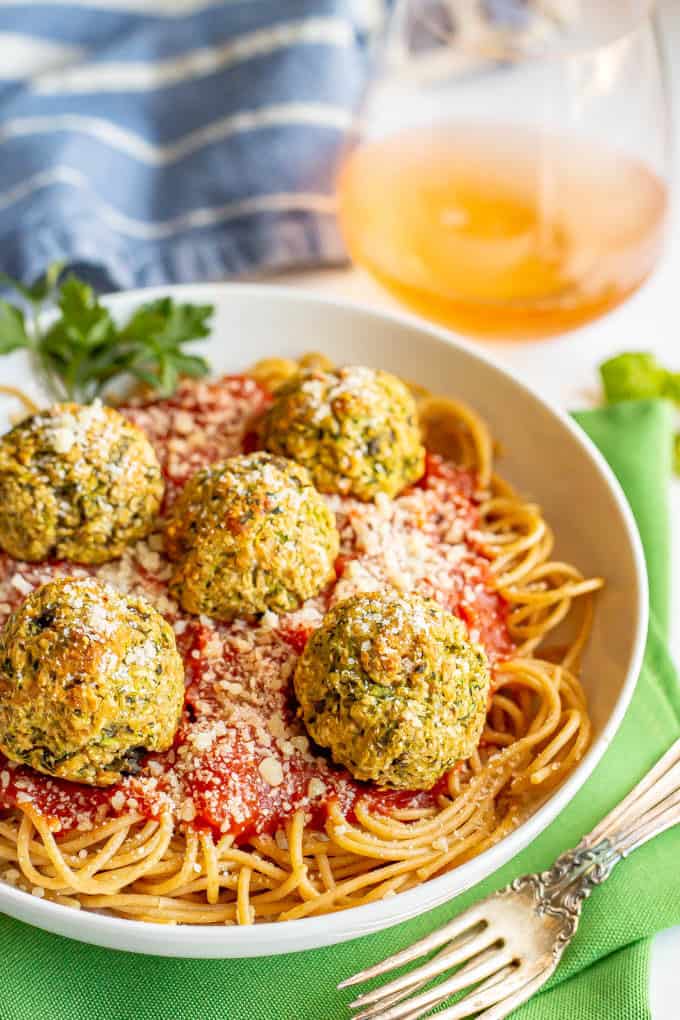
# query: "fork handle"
649,809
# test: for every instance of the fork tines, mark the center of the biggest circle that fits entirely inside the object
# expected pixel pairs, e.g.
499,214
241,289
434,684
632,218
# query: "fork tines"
486,964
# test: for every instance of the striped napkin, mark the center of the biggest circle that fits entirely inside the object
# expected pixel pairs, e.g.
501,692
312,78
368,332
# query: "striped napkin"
151,141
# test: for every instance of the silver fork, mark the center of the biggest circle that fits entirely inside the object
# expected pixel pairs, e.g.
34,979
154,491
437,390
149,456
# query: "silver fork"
506,947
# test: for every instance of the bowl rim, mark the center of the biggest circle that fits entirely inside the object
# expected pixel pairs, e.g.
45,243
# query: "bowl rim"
268,938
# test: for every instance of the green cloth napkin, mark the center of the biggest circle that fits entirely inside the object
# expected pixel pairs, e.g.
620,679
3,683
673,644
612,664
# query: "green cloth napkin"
604,973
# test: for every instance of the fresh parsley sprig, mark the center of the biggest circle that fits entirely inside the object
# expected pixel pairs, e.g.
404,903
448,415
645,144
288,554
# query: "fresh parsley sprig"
84,350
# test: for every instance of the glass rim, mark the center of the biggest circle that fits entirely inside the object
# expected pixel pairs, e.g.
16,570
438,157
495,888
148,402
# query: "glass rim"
506,49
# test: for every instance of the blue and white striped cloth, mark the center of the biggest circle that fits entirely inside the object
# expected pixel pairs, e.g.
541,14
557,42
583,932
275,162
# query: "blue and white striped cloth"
147,141
153,141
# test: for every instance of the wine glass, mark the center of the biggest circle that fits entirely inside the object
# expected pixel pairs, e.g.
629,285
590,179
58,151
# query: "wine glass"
508,175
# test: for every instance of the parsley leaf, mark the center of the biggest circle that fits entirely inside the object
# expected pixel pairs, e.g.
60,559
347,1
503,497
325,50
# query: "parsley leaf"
43,287
169,324
154,336
80,350
84,349
12,328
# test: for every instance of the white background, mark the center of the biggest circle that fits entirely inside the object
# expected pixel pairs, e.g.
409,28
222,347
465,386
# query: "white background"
564,370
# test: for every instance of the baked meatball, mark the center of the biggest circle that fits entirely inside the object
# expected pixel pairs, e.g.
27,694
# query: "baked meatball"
395,689
249,535
89,680
76,483
355,430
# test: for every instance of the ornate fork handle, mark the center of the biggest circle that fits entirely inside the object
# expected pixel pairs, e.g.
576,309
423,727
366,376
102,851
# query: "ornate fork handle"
649,809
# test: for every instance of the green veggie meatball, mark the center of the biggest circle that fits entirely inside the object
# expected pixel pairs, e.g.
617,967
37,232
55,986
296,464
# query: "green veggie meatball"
76,483
355,430
393,686
248,535
89,679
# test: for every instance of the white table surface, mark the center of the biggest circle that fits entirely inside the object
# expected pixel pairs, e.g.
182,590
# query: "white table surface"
564,371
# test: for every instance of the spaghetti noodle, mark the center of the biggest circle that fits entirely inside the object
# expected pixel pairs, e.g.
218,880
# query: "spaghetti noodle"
242,821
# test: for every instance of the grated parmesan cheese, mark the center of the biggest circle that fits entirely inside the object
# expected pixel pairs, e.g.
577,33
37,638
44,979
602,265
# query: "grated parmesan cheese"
271,771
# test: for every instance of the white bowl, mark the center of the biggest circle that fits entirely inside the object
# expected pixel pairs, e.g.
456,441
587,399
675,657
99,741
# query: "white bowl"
544,454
